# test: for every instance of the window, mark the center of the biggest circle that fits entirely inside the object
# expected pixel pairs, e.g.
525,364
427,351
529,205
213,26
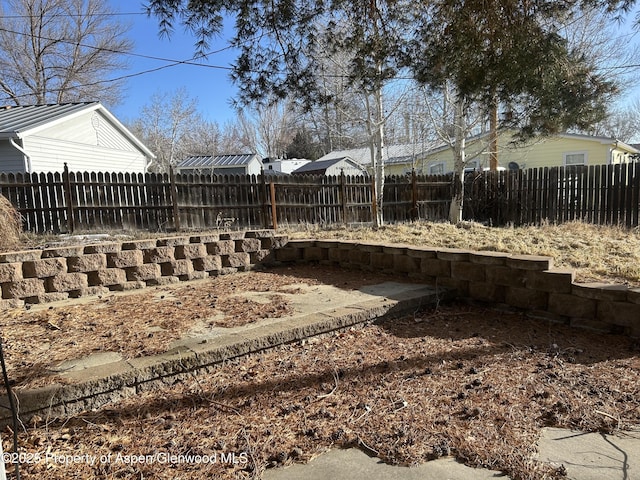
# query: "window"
575,158
436,168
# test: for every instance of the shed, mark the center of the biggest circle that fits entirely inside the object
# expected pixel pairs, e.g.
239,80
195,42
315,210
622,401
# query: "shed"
239,164
333,166
85,136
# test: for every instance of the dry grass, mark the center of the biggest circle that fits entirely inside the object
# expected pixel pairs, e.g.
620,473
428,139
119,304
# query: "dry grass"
462,381
597,253
10,225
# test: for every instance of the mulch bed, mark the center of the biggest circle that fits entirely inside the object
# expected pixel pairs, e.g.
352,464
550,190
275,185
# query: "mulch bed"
465,381
145,322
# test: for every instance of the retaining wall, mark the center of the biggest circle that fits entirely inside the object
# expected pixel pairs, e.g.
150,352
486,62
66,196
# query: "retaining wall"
52,274
523,281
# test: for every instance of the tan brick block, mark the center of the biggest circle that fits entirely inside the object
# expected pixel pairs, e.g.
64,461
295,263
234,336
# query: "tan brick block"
208,264
103,248
67,282
435,267
47,267
278,241
159,255
489,258
406,264
21,256
505,276
262,256
48,297
487,292
288,254
107,277
468,271
530,262
619,313
148,271
139,244
315,254
236,260
177,268
571,306
87,263
222,247
172,241
193,250
125,259
527,299
556,280
73,251
382,261
10,272
248,245
28,287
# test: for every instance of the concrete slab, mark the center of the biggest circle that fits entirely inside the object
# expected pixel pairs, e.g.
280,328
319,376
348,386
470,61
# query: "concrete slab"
353,464
592,456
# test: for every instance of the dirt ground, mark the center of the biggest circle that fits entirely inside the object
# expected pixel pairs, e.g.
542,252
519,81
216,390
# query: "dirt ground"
145,322
466,381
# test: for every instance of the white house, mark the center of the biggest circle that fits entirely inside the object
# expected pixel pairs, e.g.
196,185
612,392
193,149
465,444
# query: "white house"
283,165
242,164
333,166
85,136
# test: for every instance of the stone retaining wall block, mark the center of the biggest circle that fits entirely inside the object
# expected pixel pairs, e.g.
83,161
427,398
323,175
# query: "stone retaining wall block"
529,262
193,250
73,251
619,313
526,299
67,282
468,271
10,272
556,280
29,287
87,263
571,306
125,259
148,271
487,292
159,255
222,247
103,248
435,267
209,263
236,260
248,245
506,276
107,277
47,267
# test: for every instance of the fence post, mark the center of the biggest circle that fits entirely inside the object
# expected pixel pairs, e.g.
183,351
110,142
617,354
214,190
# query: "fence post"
174,199
274,216
374,201
343,197
263,200
414,195
68,198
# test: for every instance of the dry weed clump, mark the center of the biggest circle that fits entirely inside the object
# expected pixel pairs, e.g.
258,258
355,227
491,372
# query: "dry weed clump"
10,226
597,253
475,384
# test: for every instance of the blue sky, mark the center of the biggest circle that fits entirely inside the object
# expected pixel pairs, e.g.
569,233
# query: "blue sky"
212,87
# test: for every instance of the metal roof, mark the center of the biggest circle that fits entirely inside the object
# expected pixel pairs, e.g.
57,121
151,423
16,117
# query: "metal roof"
15,120
217,161
322,165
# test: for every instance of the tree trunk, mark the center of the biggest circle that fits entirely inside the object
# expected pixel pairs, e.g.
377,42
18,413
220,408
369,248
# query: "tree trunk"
459,160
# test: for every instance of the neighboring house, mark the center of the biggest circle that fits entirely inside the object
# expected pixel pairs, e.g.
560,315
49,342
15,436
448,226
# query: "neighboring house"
560,150
334,166
241,164
85,136
405,154
282,165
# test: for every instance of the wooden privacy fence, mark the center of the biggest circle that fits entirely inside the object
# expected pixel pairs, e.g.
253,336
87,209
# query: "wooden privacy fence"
70,201
600,194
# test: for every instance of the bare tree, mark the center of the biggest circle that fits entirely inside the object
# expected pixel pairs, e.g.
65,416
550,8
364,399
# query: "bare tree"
55,51
268,130
166,124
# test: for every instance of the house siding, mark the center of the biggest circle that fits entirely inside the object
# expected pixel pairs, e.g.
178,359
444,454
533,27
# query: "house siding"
50,155
539,153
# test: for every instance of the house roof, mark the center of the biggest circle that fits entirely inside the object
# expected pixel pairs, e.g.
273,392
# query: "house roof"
217,161
21,121
323,165
392,153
